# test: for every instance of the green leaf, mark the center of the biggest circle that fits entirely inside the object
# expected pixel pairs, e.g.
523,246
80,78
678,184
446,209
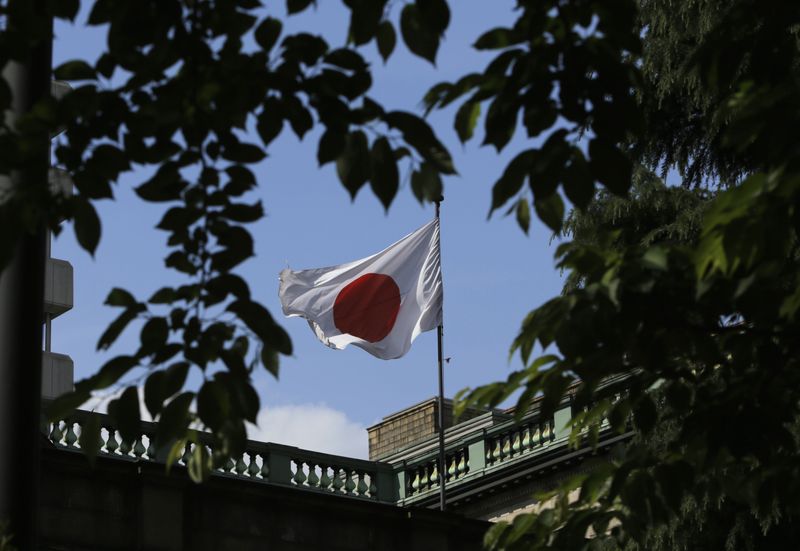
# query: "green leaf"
645,414
65,404
213,405
270,360
111,372
365,16
102,12
353,165
435,15
174,419
466,119
295,6
512,179
610,166
416,34
385,178
174,378
550,211
154,393
125,411
154,335
270,121
495,39
121,297
267,33
165,295
260,322
331,145
656,258
87,224
298,116
578,181
241,212
346,59
523,215
75,70
501,121
116,327
89,439
417,133
240,152
199,467
386,39
426,184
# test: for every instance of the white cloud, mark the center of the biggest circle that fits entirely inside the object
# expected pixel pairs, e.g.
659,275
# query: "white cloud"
315,427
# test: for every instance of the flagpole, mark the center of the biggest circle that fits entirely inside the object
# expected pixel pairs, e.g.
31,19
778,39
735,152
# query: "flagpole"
442,460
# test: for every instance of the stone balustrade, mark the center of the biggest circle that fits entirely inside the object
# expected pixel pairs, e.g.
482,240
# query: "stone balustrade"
474,457
261,462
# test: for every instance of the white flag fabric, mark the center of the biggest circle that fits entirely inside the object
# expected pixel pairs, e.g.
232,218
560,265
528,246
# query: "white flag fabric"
380,303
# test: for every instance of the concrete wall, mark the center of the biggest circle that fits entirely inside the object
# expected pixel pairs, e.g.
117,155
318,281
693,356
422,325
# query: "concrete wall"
126,505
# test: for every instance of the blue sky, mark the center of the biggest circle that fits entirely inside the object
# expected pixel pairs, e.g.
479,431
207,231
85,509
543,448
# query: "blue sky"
493,273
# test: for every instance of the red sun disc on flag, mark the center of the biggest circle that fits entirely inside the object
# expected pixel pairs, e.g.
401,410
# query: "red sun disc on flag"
367,307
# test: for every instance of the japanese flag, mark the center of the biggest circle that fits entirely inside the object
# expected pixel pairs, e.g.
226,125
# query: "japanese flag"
380,303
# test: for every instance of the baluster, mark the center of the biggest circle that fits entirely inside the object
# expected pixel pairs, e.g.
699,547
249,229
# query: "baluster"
56,434
252,468
313,479
349,484
70,438
552,424
100,442
517,444
299,476
373,489
241,466
416,482
361,487
230,464
264,467
151,447
433,479
462,464
338,482
537,435
506,446
124,446
497,449
546,432
138,448
452,466
325,481
424,479
526,437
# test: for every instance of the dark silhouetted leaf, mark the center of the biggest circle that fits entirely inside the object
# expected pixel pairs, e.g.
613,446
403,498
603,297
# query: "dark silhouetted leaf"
416,34
550,210
466,119
426,184
353,165
267,33
384,179
386,39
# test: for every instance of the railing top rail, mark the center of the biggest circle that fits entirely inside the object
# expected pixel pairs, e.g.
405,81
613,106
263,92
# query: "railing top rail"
149,427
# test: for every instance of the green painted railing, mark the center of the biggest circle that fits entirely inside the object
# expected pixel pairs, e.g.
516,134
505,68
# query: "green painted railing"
477,454
261,462
409,481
